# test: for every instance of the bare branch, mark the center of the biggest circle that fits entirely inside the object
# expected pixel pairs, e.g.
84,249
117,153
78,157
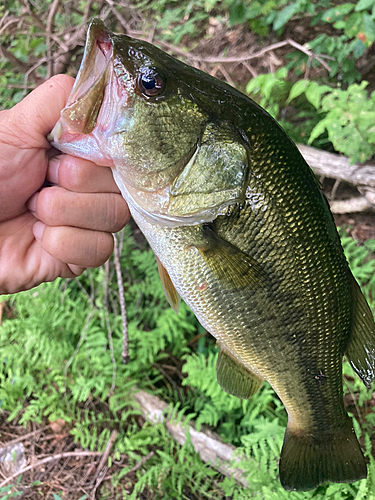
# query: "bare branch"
141,462
123,22
59,456
51,16
26,436
125,342
101,470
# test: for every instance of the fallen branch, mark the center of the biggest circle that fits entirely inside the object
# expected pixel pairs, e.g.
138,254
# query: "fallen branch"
338,167
208,444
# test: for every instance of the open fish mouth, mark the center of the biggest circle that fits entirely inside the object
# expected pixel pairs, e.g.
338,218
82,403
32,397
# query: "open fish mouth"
97,95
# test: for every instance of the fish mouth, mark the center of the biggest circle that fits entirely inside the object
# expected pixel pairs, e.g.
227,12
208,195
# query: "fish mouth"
94,91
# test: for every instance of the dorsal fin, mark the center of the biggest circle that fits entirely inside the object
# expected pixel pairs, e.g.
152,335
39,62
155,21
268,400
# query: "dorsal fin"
361,350
168,287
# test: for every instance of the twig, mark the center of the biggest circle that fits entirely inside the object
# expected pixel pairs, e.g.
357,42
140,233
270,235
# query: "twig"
113,360
26,436
109,331
141,462
110,442
50,459
151,34
250,69
170,380
2,20
27,73
99,475
123,22
85,292
11,21
14,86
125,343
255,55
226,75
334,189
14,60
51,15
2,305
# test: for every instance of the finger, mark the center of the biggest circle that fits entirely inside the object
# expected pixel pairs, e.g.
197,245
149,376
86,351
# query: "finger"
82,176
76,247
56,206
36,115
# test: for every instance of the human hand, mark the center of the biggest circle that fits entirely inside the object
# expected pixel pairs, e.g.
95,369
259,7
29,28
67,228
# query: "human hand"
59,230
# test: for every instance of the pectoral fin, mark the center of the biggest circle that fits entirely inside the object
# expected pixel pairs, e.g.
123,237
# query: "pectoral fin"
361,350
235,379
168,287
230,265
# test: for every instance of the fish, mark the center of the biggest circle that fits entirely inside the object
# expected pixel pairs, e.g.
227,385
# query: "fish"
242,232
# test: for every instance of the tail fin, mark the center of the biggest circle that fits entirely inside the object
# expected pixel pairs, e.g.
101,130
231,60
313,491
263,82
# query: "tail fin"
309,460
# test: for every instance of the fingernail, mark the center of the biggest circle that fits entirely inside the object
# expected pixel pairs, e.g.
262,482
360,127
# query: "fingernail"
38,230
53,170
31,204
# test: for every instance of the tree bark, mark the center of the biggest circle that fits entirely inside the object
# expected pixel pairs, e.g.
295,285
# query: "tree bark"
333,166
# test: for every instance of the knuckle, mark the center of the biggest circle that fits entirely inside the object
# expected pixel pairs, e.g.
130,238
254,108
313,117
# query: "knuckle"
117,212
49,207
71,175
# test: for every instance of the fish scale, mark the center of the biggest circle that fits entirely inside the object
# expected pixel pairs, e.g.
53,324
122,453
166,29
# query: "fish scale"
241,231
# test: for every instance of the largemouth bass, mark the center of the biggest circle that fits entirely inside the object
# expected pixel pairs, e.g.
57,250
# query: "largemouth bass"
241,231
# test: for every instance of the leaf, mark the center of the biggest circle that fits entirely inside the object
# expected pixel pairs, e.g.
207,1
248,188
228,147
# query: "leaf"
284,16
358,48
369,28
317,131
336,13
364,4
298,89
314,93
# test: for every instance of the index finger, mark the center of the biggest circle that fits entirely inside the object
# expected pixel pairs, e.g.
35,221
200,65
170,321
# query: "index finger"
80,176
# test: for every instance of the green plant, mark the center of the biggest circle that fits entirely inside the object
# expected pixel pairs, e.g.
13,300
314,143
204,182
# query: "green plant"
344,118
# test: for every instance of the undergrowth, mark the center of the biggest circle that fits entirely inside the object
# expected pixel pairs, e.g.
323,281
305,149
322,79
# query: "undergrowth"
57,363
61,352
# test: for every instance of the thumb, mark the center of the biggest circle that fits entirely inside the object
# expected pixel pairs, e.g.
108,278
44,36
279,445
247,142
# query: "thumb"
36,115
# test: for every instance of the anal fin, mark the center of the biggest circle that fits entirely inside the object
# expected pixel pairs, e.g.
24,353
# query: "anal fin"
168,287
361,350
235,379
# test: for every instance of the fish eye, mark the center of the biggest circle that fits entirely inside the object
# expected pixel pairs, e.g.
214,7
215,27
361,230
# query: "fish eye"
150,83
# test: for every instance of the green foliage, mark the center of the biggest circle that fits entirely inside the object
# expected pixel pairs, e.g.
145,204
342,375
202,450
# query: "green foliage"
344,117
349,117
9,81
362,263
57,364
56,359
